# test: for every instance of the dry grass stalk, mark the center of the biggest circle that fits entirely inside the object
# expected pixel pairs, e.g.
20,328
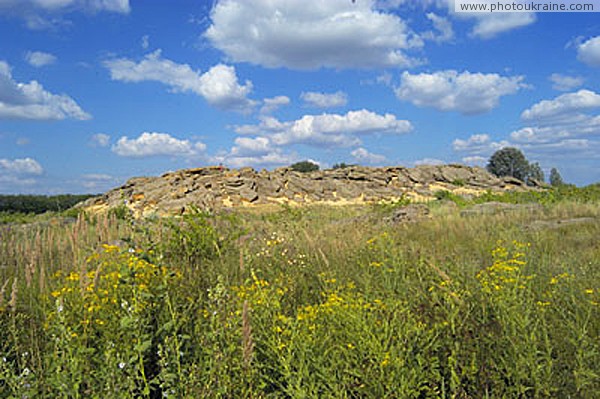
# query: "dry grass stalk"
29,271
247,341
84,282
2,293
12,305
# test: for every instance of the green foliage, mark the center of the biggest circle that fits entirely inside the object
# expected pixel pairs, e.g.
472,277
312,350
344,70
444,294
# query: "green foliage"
342,165
194,238
444,195
325,304
39,203
121,212
304,167
15,217
535,173
509,161
556,179
390,206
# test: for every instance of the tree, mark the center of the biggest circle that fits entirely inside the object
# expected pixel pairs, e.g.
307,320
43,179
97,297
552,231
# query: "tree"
305,166
556,179
342,165
509,161
535,173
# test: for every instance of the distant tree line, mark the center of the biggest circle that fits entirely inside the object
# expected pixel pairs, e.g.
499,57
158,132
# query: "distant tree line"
39,203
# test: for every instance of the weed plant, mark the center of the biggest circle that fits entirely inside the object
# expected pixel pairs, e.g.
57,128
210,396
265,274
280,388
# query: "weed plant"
314,302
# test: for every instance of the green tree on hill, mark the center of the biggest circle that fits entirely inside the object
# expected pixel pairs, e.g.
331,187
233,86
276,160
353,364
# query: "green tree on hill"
556,179
304,166
509,161
535,173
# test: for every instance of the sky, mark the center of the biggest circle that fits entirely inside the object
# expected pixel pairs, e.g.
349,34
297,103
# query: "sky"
93,92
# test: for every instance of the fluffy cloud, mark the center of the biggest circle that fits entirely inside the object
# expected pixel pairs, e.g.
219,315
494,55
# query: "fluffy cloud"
39,59
16,174
288,33
588,52
562,132
245,146
21,167
480,144
467,93
156,144
98,181
44,14
490,25
327,129
271,104
100,140
275,158
31,101
429,161
442,25
219,86
362,155
121,6
564,105
257,152
564,82
475,160
325,100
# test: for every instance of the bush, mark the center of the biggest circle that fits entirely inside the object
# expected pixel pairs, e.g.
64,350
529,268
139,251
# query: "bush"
305,167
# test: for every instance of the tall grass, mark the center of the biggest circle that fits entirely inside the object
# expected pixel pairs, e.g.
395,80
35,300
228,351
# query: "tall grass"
302,303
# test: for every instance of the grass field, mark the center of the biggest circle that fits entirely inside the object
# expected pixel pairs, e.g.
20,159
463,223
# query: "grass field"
315,302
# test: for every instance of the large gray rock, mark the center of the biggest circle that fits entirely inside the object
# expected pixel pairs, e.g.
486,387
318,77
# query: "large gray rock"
217,187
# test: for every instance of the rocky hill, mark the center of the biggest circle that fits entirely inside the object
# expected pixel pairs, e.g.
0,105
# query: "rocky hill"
217,187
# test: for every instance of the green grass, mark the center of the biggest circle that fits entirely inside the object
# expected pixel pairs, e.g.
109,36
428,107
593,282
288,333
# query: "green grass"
311,302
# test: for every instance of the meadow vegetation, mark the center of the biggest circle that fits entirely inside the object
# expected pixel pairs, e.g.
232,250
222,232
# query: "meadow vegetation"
312,302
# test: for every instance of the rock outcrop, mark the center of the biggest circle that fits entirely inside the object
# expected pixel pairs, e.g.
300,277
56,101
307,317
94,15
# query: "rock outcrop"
217,187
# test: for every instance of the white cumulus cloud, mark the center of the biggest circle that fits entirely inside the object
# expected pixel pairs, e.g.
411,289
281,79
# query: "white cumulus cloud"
45,14
21,166
219,86
480,144
100,140
156,144
443,26
39,58
466,92
325,100
271,104
429,161
327,129
565,82
31,101
364,156
245,146
588,52
490,25
299,35
475,160
563,105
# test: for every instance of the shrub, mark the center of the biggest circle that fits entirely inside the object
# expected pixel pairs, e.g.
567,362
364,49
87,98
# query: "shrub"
305,166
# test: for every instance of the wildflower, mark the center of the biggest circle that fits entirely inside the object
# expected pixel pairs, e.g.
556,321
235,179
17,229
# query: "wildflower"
589,291
121,365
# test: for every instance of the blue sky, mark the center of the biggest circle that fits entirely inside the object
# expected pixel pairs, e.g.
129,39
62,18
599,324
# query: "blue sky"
93,92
